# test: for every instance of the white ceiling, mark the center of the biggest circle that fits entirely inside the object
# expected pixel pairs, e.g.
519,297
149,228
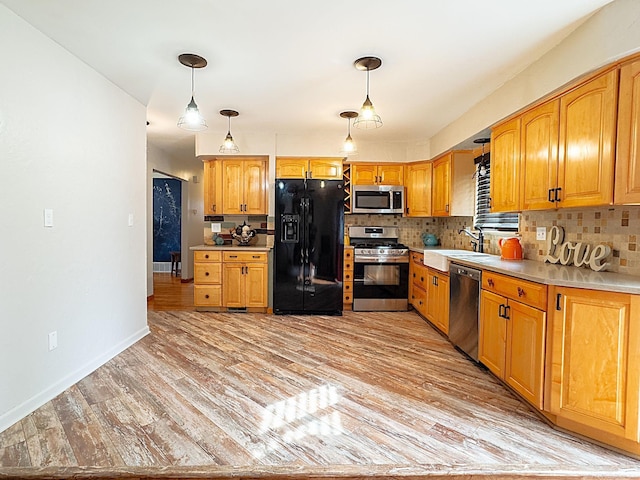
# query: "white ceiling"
287,65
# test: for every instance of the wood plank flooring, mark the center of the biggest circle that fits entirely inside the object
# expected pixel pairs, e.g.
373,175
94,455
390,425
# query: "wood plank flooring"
229,395
170,293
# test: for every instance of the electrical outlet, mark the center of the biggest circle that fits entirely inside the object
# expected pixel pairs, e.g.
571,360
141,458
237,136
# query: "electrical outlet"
216,227
53,340
541,233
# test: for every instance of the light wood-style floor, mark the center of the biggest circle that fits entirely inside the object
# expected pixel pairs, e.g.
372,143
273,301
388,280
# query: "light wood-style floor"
263,396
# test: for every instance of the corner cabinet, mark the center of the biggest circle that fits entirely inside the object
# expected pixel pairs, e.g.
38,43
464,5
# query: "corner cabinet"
512,333
418,185
594,383
453,187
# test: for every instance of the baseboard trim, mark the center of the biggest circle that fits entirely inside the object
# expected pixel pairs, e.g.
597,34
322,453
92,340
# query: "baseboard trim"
25,408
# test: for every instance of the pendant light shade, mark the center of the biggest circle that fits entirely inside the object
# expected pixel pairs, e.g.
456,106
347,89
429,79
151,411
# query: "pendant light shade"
229,146
367,118
192,120
349,148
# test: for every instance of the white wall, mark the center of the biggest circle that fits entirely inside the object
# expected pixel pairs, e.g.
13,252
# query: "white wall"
608,35
73,142
192,205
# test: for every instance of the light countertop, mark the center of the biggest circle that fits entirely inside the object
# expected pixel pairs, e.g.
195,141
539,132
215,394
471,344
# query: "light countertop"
550,274
250,248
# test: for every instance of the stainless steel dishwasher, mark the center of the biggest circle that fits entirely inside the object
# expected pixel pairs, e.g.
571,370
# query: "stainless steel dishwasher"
464,308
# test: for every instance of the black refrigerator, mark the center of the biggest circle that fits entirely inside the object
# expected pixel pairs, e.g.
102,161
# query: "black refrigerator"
309,244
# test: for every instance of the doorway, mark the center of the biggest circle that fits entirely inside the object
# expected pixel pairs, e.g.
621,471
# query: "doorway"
167,223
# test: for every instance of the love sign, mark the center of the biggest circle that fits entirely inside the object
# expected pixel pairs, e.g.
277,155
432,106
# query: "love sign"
576,253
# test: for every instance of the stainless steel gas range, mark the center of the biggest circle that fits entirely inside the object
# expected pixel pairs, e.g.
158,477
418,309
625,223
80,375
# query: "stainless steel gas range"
380,269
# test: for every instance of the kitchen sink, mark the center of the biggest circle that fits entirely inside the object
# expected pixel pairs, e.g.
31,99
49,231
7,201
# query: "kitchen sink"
440,259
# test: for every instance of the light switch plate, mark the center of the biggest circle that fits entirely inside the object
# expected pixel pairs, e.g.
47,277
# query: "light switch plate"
541,233
130,221
48,217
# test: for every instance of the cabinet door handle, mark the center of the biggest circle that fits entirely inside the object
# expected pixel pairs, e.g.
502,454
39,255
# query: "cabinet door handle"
446,208
490,202
558,299
507,309
557,196
501,311
213,207
550,196
422,279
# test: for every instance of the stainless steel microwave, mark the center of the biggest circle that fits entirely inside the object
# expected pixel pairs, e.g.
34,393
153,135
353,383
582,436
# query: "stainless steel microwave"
377,199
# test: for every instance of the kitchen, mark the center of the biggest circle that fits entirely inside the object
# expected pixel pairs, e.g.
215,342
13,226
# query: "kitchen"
85,345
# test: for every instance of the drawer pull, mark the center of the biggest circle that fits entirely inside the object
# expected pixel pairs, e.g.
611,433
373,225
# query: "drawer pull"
206,274
255,256
206,296
233,256
490,282
206,256
521,292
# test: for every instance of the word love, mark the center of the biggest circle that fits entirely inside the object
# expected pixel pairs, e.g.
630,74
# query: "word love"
576,253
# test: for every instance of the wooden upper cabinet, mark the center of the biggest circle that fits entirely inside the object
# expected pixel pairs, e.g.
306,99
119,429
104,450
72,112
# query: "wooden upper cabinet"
627,184
375,174
505,167
418,185
595,369
244,186
539,156
441,188
291,167
453,185
232,187
587,142
326,168
322,168
255,176
212,188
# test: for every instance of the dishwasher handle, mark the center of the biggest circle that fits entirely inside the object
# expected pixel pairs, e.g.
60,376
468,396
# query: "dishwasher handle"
464,271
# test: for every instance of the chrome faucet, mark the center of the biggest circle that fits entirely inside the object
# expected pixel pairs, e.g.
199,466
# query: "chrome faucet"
477,241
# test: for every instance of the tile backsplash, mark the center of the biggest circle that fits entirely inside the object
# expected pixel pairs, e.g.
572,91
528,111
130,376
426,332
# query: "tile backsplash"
618,227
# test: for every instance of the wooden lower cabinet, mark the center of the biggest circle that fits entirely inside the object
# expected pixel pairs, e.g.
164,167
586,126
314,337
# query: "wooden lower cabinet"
207,279
245,279
418,281
594,357
429,292
347,279
512,334
230,279
437,310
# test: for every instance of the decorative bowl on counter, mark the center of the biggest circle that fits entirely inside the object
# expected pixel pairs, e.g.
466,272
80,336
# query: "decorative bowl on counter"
243,234
429,239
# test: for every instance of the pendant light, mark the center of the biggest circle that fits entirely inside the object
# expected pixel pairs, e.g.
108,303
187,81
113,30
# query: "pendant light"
482,161
192,120
349,147
229,146
367,117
